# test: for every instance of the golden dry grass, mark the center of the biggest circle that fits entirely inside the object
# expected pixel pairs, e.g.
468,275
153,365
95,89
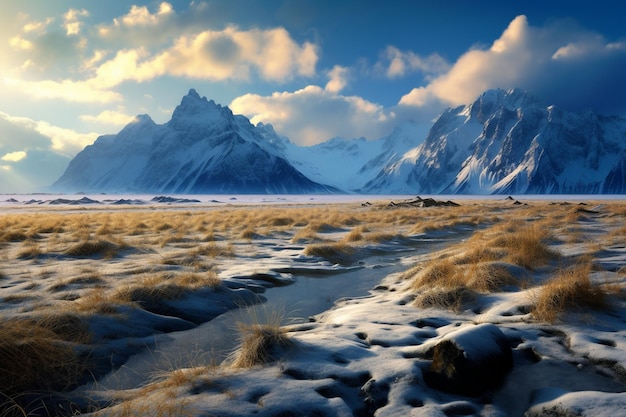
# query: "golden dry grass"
336,252
487,262
38,355
570,290
89,248
259,344
189,245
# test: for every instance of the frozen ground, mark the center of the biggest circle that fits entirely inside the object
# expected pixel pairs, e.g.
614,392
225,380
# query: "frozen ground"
363,352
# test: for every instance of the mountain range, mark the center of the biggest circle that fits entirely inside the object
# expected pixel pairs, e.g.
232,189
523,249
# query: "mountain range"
505,142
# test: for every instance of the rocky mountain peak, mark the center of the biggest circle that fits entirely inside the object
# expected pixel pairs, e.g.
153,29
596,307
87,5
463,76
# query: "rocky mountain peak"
196,110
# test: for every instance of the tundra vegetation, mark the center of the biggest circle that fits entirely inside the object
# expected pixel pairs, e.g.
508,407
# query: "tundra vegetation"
65,270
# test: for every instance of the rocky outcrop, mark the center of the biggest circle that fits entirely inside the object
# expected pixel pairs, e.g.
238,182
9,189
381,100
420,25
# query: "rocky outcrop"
470,361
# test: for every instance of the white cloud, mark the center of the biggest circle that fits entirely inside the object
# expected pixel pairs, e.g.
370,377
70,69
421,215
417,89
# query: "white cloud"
77,91
36,153
20,43
557,63
140,15
36,26
313,114
397,64
41,135
71,21
109,117
234,54
14,156
338,79
228,54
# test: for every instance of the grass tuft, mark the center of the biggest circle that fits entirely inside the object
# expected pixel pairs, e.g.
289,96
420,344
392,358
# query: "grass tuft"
455,299
570,290
89,248
38,356
337,252
259,344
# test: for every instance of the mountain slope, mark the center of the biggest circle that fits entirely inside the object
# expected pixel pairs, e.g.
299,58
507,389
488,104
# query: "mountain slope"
204,148
507,142
349,163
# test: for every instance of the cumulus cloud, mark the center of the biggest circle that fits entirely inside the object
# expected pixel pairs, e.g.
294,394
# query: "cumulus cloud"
109,117
561,64
77,91
396,63
140,15
14,156
338,79
24,134
234,54
71,21
33,153
313,114
214,55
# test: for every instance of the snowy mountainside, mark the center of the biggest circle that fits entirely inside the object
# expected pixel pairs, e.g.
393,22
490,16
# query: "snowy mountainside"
508,142
204,148
349,163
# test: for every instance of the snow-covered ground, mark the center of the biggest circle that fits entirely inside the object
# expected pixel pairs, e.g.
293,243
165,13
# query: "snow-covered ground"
361,353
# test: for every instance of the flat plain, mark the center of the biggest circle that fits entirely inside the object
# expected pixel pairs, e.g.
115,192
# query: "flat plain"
85,288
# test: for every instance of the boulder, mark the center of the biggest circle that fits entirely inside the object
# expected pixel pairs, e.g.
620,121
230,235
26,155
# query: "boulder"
470,361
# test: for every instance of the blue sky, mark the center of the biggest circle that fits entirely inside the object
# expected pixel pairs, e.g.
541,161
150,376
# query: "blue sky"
71,70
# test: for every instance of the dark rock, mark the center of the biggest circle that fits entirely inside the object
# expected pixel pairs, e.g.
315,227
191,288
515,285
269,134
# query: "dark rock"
470,361
423,202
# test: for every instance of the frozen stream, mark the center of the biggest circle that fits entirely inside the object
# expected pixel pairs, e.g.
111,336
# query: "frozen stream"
213,341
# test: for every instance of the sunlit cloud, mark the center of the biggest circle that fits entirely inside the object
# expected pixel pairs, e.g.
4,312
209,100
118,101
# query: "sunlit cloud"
35,26
41,135
20,43
338,79
14,156
76,91
298,114
235,54
229,54
64,140
94,60
35,153
109,117
141,15
71,21
552,62
396,63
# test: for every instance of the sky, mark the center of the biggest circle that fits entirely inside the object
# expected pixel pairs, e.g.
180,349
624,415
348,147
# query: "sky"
72,70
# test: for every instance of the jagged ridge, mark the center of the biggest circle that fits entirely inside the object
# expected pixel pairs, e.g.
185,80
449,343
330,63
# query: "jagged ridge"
507,142
204,148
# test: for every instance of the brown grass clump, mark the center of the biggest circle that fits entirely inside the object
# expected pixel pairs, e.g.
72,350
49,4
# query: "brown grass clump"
337,252
36,357
355,234
491,277
13,236
90,248
259,344
526,246
99,301
571,289
150,291
456,298
30,250
214,250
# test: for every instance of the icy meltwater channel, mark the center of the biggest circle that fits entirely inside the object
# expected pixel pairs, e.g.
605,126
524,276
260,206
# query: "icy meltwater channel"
213,341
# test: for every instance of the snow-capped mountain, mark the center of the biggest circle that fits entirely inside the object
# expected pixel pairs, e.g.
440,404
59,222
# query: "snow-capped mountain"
204,148
348,164
507,142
